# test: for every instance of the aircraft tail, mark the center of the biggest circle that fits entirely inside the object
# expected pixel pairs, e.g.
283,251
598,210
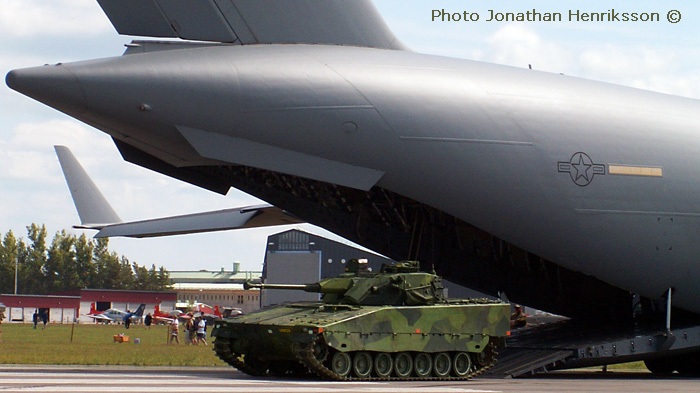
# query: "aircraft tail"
96,213
93,208
139,311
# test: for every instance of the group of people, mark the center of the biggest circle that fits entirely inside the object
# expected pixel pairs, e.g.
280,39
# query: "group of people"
195,330
44,317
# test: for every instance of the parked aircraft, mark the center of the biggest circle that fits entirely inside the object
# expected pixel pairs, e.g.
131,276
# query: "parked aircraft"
568,195
115,315
193,310
166,316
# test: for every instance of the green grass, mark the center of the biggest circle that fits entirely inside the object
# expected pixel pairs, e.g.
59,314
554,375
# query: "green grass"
94,345
636,366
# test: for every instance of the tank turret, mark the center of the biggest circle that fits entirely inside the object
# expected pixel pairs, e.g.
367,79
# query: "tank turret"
397,284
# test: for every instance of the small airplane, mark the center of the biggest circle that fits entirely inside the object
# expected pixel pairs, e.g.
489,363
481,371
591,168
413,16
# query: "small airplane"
198,309
162,316
201,309
115,315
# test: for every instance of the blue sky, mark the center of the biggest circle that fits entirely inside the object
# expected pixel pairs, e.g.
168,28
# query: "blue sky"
656,56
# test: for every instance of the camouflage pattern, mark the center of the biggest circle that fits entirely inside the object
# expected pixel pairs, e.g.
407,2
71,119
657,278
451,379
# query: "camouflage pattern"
396,310
466,326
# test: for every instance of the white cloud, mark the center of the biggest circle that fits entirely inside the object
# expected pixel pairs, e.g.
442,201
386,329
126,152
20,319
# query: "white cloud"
55,18
520,46
640,66
28,152
622,62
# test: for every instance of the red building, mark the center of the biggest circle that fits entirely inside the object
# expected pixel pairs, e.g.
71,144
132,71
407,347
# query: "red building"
74,306
20,308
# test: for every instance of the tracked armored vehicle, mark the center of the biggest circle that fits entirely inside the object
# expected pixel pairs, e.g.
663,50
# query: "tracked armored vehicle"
395,324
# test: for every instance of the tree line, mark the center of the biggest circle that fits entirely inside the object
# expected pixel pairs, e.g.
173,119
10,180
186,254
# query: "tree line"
68,263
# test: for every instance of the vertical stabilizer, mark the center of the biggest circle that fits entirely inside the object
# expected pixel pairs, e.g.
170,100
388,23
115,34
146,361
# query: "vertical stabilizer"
139,311
92,206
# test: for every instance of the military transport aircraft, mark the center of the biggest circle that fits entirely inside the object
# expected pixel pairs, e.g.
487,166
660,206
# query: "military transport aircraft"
569,195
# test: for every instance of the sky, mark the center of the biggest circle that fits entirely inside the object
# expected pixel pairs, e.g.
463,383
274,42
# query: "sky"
659,56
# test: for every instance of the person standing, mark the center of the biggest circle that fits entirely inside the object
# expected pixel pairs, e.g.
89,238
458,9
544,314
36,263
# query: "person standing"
174,331
148,320
202,331
190,337
2,316
45,318
127,319
35,318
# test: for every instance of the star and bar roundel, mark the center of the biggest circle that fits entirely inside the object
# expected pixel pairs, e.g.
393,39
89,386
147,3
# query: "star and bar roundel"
581,169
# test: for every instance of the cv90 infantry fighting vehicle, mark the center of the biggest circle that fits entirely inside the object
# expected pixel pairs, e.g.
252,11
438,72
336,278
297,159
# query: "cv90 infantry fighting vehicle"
395,324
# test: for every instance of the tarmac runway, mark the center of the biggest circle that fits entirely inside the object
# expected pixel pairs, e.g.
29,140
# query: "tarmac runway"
179,379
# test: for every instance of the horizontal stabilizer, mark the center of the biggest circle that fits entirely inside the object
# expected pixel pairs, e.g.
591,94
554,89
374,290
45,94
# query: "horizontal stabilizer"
221,220
330,22
95,212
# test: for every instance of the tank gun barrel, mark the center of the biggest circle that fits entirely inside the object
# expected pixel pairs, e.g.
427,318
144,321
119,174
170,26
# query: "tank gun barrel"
314,288
329,285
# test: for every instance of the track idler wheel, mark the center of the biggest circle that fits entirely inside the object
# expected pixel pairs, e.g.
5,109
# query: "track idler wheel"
484,358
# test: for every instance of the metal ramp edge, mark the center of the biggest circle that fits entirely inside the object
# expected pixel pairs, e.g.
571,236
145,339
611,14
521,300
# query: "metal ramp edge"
516,362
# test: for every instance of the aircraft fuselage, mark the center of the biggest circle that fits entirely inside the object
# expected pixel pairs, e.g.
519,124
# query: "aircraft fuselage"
597,178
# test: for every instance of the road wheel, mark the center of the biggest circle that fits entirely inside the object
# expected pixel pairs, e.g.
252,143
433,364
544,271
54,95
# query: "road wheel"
341,364
403,365
383,365
362,364
461,364
423,364
442,365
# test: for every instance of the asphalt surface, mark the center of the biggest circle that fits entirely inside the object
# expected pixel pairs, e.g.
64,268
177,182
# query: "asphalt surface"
180,379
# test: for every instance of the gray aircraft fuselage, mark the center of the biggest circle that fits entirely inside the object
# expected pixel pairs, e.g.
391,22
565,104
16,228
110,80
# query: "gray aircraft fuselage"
597,178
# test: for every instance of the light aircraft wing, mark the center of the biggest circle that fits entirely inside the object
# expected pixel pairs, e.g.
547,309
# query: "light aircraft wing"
96,213
101,318
330,22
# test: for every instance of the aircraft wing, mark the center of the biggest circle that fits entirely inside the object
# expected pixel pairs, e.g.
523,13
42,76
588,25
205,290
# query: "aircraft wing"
164,319
96,213
101,318
333,22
